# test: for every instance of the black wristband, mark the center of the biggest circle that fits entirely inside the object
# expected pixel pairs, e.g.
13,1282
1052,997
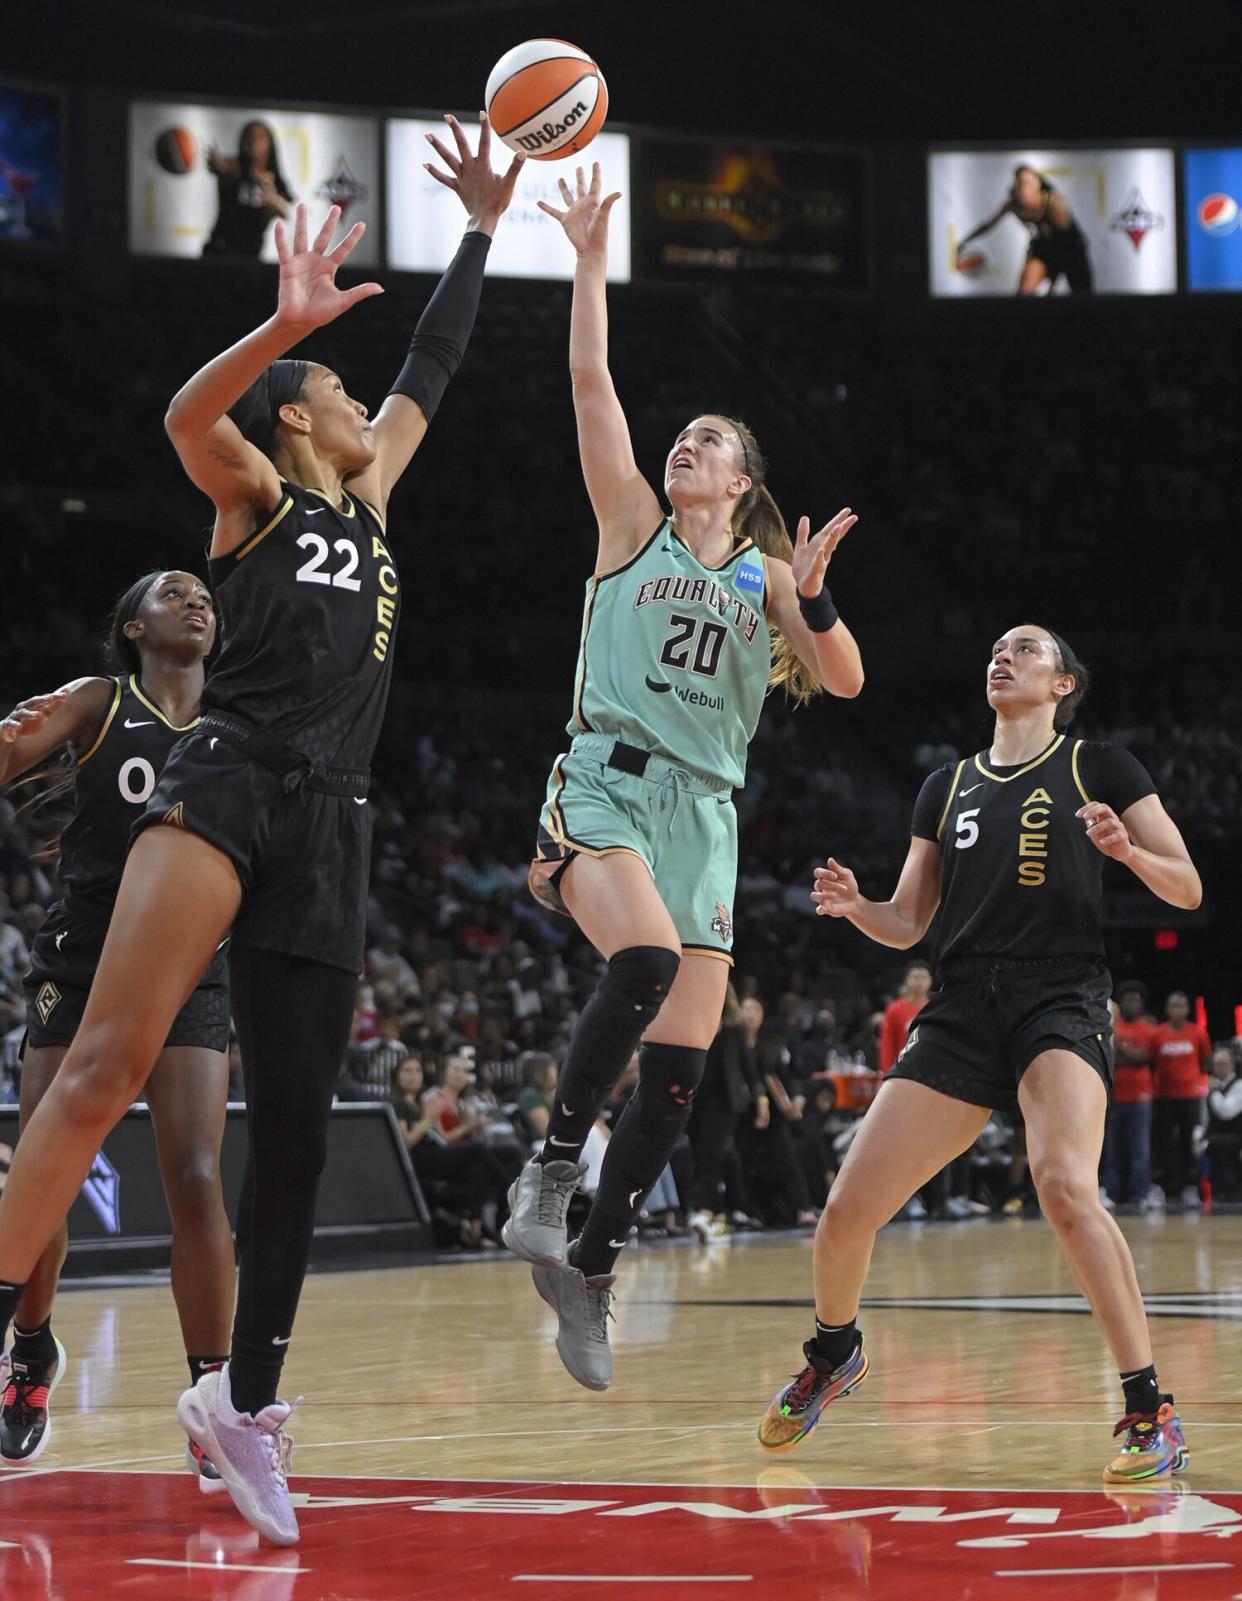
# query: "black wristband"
444,329
818,612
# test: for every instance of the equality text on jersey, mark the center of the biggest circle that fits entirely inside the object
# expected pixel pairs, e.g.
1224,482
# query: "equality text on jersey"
700,592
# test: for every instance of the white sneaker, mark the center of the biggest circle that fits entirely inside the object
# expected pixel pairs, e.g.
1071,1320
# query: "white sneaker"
1191,1197
956,1208
253,1454
1106,1200
1153,1201
914,1210
700,1225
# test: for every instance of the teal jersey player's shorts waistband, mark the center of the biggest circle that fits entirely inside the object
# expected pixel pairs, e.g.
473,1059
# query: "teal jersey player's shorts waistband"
680,823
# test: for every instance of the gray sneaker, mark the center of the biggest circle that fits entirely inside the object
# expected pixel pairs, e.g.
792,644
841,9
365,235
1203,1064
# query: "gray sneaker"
253,1454
538,1203
583,1307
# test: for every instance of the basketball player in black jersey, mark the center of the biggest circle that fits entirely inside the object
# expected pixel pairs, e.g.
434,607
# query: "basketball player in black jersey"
120,731
260,820
1057,247
1010,845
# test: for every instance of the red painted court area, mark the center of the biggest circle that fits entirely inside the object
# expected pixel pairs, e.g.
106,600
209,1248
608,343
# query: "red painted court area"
70,1535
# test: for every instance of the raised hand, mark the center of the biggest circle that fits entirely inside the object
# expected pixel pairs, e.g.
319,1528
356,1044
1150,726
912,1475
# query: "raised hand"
1106,831
811,556
30,715
835,891
585,218
308,296
485,194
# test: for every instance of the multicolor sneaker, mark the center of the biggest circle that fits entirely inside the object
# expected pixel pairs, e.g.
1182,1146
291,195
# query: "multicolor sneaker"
583,1307
1154,1445
253,1454
203,1469
794,1411
539,1198
25,1416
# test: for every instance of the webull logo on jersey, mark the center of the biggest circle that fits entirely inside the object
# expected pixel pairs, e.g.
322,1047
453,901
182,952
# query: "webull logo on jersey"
701,592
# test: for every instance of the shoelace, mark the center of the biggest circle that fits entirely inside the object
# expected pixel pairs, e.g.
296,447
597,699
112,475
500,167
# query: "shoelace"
25,1396
804,1386
599,1310
1140,1424
280,1444
553,1198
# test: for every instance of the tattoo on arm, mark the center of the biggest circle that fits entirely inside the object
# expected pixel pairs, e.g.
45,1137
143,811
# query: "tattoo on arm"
226,458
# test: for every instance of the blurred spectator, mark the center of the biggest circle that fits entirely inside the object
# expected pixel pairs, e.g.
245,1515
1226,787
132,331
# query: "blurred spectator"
534,1104
731,1090
903,1009
1180,1051
1125,1167
1224,1106
779,1184
452,1171
370,1064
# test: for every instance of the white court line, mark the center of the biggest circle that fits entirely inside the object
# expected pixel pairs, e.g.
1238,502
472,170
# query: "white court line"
668,1483
641,1578
215,1567
1155,1567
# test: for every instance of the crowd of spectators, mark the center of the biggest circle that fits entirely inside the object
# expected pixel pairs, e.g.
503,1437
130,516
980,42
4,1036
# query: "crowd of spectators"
1033,471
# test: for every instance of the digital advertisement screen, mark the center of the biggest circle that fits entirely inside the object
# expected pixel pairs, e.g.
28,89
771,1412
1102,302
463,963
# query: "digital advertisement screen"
31,166
210,180
1040,222
1212,191
754,211
426,220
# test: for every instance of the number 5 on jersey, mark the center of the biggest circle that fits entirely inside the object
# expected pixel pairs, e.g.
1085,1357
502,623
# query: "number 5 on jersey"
967,829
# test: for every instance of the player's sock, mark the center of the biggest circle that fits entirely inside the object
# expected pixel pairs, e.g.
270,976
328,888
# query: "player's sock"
605,1037
199,1365
1142,1390
835,1342
10,1295
34,1346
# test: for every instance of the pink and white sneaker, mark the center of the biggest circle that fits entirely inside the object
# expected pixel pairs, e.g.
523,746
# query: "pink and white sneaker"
253,1454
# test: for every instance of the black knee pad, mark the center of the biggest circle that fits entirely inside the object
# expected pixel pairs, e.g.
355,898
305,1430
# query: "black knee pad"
640,978
668,1076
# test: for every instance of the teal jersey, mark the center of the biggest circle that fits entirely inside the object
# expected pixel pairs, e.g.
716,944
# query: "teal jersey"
675,656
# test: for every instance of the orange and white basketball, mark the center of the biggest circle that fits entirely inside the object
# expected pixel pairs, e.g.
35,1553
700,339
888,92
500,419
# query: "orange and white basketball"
546,99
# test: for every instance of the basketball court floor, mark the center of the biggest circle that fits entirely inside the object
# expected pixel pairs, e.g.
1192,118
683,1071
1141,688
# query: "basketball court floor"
444,1454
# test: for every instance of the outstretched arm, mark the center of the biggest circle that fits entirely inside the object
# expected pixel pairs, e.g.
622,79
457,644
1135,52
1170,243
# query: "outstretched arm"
443,332
900,922
1150,844
985,227
625,505
236,476
42,724
800,606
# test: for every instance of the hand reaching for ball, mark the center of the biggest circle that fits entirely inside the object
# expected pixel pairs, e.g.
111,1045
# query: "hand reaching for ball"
585,218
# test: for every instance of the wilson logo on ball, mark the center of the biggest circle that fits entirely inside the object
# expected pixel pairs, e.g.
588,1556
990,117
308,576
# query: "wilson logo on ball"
546,99
1218,214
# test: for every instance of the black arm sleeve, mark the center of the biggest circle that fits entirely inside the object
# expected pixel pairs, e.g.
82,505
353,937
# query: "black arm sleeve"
929,808
444,329
1111,774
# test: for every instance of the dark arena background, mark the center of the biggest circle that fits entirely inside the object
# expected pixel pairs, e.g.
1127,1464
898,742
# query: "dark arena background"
798,182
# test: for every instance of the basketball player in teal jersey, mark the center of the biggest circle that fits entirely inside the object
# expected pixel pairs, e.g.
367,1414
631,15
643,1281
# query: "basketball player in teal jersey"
688,619
1010,846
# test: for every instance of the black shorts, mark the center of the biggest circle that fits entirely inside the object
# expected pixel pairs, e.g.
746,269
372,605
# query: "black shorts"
1064,258
61,975
303,856
985,1024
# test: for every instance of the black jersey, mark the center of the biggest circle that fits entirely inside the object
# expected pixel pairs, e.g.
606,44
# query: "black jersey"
1018,875
115,777
308,609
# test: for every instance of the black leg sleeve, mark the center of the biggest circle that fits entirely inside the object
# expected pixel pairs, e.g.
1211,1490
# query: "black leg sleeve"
293,1019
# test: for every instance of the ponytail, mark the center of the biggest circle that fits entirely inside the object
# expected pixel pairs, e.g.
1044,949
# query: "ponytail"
758,518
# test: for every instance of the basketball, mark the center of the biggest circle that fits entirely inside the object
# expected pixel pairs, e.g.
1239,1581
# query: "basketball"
176,150
546,99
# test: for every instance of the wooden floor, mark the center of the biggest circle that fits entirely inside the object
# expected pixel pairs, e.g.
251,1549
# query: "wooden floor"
986,1372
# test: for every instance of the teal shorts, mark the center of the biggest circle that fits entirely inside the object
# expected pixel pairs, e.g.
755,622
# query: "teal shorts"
680,823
